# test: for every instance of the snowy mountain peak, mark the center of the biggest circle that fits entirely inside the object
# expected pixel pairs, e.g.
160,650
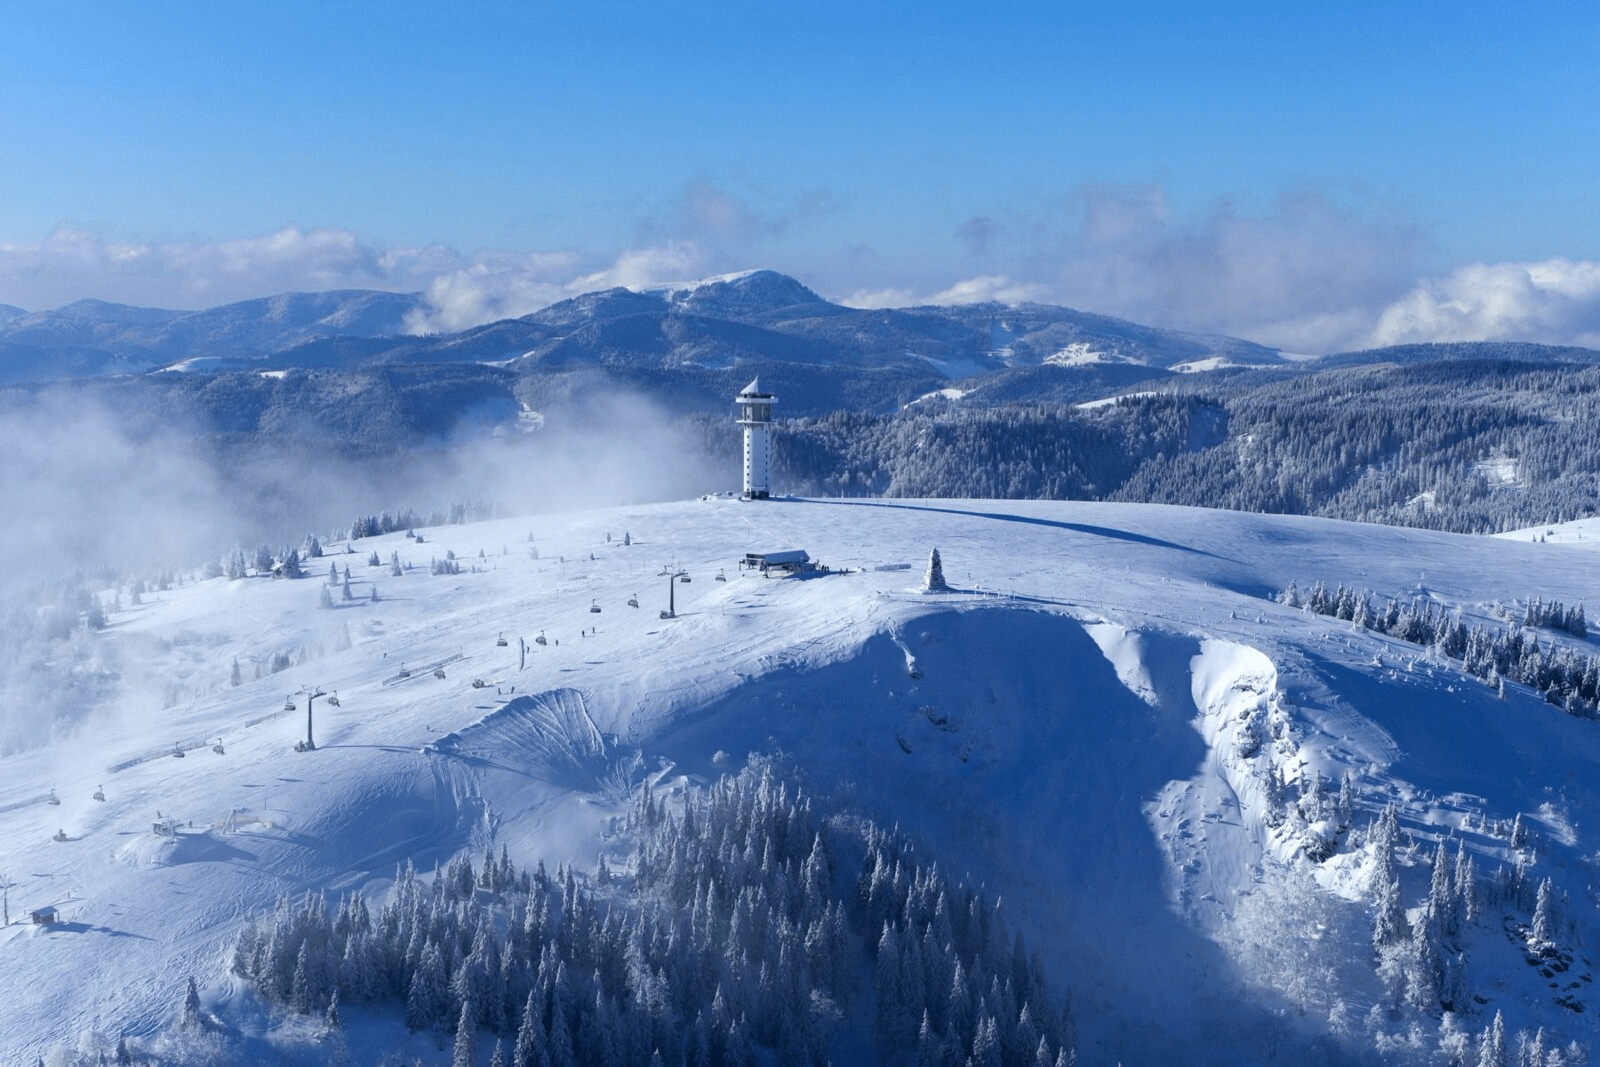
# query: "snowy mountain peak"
741,295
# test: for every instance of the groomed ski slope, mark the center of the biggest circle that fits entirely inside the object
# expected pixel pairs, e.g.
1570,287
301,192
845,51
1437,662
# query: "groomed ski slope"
1062,726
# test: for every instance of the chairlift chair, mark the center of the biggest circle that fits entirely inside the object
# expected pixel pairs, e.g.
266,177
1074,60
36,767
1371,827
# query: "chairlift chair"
288,704
684,577
218,749
53,799
100,793
594,607
721,577
403,672
540,639
177,753
501,642
438,672
633,601
334,698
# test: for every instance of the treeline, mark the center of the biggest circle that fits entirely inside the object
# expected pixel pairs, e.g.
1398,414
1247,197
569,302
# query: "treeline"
1562,676
735,938
409,519
1464,446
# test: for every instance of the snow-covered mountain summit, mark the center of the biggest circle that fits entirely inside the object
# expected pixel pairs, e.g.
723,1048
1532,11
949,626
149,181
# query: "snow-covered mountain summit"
1175,783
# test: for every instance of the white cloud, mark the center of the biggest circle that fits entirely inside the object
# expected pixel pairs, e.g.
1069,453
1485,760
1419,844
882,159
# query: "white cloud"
879,298
495,286
1556,301
72,263
988,288
1299,273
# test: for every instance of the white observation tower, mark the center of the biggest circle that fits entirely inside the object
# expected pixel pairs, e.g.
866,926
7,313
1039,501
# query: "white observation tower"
755,415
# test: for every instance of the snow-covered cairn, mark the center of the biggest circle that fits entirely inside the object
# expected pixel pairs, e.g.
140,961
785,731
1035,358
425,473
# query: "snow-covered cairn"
933,581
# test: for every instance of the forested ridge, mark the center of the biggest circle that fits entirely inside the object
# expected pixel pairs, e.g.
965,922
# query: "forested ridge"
1464,446
743,929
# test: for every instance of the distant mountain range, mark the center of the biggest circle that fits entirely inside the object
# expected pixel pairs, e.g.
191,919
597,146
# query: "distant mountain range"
759,316
92,337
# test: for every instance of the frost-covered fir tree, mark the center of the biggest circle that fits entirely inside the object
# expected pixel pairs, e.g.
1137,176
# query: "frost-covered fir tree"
465,1052
1389,925
933,581
1492,1044
1541,935
190,1017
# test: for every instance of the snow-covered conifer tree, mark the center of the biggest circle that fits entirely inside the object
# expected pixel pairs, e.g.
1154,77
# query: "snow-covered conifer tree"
465,1052
1388,912
190,1017
1492,1044
933,581
425,999
1542,931
529,1050
1442,896
300,992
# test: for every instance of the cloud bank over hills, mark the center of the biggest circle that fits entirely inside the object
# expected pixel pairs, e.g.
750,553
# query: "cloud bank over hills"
1304,275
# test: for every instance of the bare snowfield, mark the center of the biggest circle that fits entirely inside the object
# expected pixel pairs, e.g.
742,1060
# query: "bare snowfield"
1064,726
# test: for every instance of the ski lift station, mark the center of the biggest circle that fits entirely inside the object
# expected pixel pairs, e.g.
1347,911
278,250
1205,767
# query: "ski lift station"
788,561
46,916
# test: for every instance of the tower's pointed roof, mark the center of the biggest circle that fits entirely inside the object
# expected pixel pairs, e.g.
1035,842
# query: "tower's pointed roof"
753,389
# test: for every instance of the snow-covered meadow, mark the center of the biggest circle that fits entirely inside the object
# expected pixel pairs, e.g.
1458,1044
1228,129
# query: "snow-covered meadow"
1107,722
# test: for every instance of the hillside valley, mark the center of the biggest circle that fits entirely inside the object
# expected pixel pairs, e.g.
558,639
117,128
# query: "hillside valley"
1172,786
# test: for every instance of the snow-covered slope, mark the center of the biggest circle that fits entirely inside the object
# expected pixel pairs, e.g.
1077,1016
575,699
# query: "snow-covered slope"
1067,725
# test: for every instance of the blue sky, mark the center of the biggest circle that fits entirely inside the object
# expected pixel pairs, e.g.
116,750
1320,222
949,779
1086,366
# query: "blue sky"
1292,172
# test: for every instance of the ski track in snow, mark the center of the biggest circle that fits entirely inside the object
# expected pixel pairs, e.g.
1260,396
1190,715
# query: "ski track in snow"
1063,726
